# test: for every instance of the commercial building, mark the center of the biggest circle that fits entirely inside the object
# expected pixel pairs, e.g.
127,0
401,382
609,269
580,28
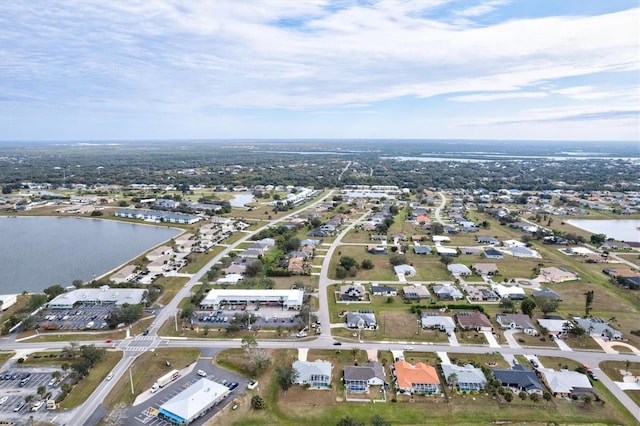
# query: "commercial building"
290,299
98,296
8,300
193,402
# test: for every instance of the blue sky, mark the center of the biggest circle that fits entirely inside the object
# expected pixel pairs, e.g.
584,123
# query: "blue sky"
144,69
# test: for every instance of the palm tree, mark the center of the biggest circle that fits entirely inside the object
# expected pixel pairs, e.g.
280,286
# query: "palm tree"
452,380
534,397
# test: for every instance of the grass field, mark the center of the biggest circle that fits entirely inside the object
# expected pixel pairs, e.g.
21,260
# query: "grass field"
146,369
171,286
87,385
5,355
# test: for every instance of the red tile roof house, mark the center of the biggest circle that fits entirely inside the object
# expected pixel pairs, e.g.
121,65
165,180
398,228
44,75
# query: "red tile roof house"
419,378
473,321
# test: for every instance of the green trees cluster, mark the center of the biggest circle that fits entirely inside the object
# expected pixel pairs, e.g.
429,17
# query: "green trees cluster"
348,267
127,314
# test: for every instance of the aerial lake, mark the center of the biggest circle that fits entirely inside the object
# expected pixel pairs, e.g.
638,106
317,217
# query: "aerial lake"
38,252
619,229
241,200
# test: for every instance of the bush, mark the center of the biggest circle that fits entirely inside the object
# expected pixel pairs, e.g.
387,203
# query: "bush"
20,360
257,402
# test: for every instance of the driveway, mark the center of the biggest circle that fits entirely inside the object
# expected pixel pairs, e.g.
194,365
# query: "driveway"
493,343
508,334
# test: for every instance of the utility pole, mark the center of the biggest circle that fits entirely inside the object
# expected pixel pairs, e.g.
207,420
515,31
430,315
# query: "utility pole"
131,378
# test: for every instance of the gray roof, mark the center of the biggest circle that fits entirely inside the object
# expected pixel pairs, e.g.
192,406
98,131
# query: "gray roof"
361,319
364,372
422,249
104,294
466,374
458,268
519,377
547,292
307,369
520,320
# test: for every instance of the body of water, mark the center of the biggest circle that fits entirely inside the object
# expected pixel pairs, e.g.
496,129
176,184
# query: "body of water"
241,200
619,229
37,252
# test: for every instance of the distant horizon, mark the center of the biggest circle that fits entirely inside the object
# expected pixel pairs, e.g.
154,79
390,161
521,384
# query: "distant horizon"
316,139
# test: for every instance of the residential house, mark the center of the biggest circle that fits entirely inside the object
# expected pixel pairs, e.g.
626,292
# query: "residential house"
557,275
415,292
422,250
159,265
315,375
446,251
404,270
447,292
309,242
565,383
488,295
419,378
473,321
516,322
599,327
358,378
296,266
486,240
125,274
512,292
159,252
381,290
458,269
352,292
465,378
362,320
440,322
493,254
518,379
524,252
373,249
547,292
485,269
513,243
555,325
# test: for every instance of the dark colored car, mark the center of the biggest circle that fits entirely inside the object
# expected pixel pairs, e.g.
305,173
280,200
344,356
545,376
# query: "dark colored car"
337,343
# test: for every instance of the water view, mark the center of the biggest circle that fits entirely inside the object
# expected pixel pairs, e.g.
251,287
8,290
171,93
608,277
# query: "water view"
42,251
241,200
619,229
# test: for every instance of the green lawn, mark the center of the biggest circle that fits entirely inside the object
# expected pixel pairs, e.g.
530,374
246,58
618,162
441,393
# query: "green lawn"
87,385
5,355
171,286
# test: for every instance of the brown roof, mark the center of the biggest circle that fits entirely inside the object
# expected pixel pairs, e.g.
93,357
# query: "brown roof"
473,320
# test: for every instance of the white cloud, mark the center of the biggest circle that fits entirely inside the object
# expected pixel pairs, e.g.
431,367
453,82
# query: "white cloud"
497,96
145,56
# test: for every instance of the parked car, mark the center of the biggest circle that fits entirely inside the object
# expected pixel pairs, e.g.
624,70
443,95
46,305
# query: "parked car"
19,406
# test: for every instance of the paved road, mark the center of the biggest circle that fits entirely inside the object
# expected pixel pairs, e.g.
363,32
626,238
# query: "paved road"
323,312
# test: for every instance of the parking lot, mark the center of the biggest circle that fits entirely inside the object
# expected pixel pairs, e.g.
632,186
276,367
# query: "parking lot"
262,317
145,413
19,382
80,318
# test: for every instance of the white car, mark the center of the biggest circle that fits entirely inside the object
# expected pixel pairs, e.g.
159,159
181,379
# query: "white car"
3,399
202,373
408,348
110,376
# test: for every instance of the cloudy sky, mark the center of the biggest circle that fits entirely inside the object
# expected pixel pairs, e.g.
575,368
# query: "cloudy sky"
496,69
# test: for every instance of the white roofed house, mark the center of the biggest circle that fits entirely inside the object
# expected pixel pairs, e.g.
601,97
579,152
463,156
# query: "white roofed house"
440,322
512,292
517,322
8,300
465,378
362,320
458,269
447,292
315,375
565,383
